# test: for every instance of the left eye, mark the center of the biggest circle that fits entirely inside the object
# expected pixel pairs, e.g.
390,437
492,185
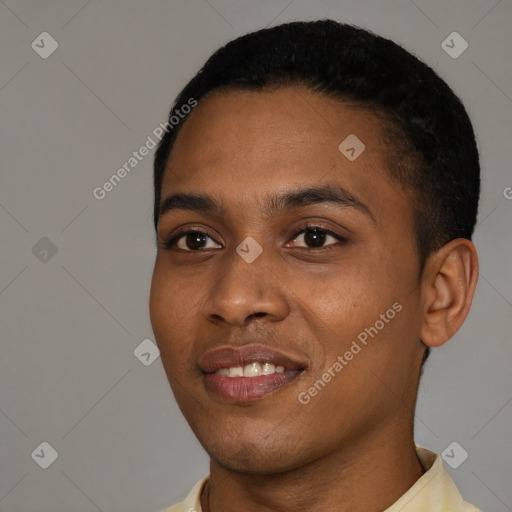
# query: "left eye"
315,237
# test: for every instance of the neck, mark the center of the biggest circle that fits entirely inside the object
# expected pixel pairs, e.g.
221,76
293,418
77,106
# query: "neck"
368,476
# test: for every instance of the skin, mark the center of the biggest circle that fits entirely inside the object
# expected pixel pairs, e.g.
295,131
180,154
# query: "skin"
351,447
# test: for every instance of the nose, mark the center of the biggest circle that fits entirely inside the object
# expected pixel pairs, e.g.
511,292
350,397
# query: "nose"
244,291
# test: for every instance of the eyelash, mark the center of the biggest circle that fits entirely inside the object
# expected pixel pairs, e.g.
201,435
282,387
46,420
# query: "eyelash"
171,242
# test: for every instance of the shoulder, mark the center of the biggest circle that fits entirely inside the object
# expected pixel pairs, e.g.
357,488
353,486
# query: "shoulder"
435,491
192,502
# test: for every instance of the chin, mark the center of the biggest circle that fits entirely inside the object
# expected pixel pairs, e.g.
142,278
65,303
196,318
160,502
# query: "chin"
254,454
249,461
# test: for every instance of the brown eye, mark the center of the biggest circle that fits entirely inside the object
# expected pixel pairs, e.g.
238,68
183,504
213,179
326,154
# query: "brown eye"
191,241
315,237
195,240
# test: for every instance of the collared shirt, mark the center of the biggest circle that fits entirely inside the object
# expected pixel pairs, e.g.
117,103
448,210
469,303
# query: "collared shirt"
434,491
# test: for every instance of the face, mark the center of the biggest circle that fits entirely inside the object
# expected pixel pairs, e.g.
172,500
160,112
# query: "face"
297,268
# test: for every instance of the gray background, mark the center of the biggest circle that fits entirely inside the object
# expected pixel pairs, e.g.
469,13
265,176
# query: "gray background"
70,321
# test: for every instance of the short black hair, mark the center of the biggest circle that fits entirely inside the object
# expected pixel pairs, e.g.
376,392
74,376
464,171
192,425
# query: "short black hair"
432,147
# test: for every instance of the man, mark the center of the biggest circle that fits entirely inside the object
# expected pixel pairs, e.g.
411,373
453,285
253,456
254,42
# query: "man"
315,197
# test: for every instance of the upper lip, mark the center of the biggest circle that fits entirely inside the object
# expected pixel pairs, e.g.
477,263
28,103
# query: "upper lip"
229,356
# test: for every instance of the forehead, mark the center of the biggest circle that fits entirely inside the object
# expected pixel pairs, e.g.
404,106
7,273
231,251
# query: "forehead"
245,143
285,125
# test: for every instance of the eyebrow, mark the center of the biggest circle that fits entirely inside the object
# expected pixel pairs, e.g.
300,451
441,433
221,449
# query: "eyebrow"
272,206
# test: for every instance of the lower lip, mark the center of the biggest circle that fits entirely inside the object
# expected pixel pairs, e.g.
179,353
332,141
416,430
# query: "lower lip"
248,389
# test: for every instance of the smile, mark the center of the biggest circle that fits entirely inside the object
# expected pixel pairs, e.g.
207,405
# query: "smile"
248,373
250,370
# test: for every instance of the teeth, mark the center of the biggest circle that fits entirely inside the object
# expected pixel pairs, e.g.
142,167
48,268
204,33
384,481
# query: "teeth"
236,371
251,370
268,369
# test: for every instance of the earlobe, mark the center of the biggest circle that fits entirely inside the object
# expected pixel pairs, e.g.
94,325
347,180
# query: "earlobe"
448,288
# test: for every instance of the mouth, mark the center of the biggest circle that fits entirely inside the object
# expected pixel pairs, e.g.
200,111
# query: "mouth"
248,373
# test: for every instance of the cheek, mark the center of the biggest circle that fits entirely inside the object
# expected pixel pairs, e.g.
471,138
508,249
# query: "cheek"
343,302
171,308
365,311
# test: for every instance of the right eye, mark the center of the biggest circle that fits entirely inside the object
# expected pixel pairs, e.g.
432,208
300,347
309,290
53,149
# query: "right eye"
190,241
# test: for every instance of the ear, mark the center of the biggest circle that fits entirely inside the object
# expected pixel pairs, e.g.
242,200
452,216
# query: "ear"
448,286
